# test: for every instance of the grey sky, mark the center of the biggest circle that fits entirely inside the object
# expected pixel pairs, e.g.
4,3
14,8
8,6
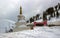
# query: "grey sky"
9,9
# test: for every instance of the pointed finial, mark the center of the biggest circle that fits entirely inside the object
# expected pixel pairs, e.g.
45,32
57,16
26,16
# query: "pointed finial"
20,10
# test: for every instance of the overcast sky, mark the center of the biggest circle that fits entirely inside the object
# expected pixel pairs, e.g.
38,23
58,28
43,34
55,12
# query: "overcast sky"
9,9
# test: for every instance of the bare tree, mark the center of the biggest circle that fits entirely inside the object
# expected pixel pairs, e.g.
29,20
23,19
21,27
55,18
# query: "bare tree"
56,10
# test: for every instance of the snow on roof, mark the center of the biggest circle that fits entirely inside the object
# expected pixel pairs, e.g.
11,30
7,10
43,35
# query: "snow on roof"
40,20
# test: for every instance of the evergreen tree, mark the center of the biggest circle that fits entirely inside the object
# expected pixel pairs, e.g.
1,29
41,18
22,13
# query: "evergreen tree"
44,16
50,11
37,16
31,20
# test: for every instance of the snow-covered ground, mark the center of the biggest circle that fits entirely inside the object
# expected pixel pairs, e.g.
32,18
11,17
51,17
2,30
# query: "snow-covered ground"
37,32
54,21
6,25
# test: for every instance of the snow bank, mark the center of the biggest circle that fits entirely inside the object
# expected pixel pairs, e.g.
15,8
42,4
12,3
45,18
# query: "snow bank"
54,21
5,25
38,32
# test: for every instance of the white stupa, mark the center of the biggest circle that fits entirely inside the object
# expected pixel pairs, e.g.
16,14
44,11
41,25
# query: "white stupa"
21,23
21,18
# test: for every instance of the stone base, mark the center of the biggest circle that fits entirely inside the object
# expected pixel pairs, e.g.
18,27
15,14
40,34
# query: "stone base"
21,29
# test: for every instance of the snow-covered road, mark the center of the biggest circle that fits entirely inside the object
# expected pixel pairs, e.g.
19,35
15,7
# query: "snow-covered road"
38,32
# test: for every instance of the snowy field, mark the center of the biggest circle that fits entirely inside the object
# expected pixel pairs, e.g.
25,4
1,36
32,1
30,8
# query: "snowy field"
6,25
37,32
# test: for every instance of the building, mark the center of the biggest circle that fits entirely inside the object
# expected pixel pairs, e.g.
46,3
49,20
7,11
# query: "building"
21,23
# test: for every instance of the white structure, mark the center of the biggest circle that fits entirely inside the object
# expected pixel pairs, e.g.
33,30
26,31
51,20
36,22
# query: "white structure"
21,23
21,18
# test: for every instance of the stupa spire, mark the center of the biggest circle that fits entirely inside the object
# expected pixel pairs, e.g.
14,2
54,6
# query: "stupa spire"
20,10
